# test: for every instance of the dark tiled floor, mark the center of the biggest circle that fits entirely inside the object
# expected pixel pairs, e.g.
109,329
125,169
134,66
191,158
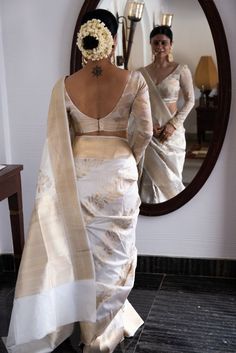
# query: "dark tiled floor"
182,314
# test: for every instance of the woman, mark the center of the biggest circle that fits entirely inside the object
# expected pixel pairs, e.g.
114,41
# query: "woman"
164,157
79,259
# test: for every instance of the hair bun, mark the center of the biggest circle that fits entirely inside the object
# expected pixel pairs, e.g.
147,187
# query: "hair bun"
90,42
94,40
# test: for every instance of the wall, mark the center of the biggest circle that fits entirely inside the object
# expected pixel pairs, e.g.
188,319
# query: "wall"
36,52
5,143
36,38
205,226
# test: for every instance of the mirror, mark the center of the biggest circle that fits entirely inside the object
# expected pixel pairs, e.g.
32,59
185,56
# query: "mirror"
214,140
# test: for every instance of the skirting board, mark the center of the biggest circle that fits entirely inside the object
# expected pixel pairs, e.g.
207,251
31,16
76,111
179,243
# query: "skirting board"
160,265
187,266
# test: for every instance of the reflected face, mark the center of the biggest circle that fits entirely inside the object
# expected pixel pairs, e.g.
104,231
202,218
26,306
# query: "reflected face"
161,45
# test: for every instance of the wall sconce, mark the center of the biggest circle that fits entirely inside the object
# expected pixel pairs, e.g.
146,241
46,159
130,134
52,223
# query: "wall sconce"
135,11
206,78
166,19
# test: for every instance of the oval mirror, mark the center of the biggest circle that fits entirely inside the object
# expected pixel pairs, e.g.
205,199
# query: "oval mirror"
202,148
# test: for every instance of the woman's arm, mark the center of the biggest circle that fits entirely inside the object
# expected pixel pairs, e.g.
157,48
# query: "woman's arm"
142,117
186,85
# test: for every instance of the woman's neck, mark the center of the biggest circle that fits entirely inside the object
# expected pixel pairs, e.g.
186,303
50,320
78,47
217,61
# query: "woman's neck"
160,62
98,67
102,63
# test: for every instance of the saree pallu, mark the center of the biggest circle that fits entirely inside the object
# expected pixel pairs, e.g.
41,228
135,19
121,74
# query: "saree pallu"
163,163
57,281
107,184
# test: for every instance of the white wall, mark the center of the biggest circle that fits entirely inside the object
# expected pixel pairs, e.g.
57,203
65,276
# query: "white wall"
36,52
5,143
36,38
205,226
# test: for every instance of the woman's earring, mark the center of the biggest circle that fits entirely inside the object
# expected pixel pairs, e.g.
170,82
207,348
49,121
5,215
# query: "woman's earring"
112,56
112,59
153,57
84,61
170,56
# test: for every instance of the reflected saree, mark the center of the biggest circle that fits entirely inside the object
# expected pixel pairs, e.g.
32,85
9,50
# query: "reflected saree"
79,258
163,163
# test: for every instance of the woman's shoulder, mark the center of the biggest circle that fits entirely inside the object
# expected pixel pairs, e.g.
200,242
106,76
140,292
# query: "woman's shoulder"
138,76
185,72
183,67
73,78
122,73
140,73
59,84
137,80
143,69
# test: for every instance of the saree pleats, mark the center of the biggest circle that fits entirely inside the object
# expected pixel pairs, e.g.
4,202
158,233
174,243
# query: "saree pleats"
79,258
163,162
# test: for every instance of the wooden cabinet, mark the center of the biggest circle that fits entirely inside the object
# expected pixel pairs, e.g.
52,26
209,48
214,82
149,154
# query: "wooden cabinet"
206,118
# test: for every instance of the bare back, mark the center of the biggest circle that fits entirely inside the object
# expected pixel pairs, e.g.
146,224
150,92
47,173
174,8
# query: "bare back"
96,89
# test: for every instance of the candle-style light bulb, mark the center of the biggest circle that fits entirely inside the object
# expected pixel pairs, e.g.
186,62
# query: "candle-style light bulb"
135,10
166,19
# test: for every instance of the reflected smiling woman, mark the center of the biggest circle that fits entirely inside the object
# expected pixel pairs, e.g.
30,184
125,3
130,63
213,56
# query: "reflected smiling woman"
164,158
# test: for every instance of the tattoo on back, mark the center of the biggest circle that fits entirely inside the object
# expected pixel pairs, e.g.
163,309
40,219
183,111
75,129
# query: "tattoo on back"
97,71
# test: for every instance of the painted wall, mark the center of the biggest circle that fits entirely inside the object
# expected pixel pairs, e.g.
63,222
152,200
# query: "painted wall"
205,226
5,145
36,52
36,38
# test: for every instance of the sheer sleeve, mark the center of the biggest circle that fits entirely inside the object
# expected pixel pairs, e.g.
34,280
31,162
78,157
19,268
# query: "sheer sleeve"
142,128
186,85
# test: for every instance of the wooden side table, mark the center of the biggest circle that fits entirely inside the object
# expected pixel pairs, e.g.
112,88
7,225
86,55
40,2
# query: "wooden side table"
206,117
10,187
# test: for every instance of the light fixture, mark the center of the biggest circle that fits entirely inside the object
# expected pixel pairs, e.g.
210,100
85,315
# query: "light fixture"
166,19
135,11
206,78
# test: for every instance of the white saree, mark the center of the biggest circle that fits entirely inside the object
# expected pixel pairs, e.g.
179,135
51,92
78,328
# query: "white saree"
163,162
110,208
79,258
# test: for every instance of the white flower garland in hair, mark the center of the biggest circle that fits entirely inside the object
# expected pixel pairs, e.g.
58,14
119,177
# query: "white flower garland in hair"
98,30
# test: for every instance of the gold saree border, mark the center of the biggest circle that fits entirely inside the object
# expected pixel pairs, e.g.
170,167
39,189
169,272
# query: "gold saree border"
101,147
56,218
159,110
57,249
61,156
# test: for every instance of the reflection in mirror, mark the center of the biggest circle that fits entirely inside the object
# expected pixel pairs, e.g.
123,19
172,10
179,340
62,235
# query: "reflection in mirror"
170,166
198,31
161,177
135,12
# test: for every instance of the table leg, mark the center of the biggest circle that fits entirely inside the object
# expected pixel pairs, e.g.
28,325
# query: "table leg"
17,225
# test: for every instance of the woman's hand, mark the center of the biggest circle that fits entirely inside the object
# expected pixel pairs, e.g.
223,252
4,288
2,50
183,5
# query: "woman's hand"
157,130
167,132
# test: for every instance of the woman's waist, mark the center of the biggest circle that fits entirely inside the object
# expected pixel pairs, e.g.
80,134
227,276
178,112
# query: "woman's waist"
118,133
162,117
172,107
101,147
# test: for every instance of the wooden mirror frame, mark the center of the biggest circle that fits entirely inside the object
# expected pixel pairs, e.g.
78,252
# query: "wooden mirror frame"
222,116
